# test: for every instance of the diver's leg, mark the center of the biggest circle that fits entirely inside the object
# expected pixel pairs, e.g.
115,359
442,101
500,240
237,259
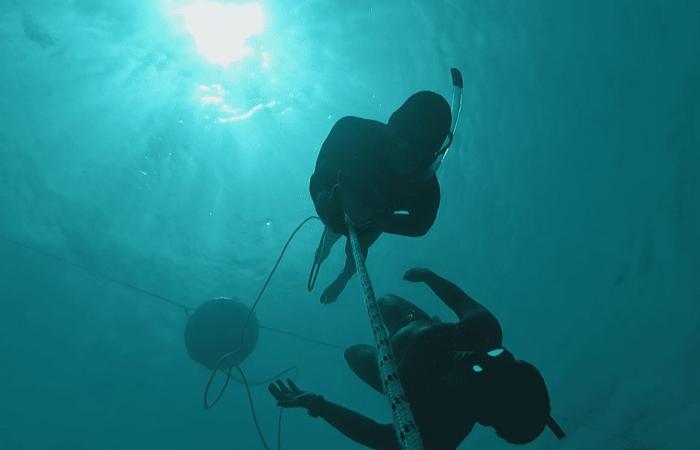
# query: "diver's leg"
362,360
332,292
367,238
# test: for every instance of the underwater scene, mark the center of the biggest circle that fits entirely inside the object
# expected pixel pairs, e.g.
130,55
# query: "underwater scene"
325,224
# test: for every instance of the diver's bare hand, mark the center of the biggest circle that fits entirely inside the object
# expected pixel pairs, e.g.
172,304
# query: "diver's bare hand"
417,275
290,396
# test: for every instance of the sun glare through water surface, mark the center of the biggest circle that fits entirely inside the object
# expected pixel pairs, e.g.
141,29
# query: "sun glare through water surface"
221,30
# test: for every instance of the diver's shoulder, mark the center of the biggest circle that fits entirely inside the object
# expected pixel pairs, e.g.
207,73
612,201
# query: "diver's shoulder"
355,123
358,136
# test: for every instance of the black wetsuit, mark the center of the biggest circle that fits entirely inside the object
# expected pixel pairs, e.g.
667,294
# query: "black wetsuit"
444,411
355,154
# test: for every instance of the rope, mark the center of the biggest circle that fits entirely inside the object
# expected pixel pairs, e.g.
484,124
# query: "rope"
244,381
208,405
247,385
301,337
316,266
126,285
247,321
277,263
407,432
252,407
267,381
99,275
279,430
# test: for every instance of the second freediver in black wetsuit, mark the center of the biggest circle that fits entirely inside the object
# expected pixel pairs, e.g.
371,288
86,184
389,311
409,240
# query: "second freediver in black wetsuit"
454,375
380,176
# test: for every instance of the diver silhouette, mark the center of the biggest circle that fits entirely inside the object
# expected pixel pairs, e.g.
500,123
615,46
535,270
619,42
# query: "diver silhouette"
381,176
454,375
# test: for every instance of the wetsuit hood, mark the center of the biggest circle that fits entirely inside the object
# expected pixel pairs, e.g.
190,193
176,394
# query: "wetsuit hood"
423,121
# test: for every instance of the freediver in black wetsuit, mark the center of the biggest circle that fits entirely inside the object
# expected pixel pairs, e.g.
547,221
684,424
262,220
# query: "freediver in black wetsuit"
380,175
454,375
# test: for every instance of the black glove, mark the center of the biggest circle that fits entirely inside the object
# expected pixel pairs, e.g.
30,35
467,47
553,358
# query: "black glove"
290,396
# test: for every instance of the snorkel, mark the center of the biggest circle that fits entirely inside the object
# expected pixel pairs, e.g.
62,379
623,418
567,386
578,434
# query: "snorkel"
456,106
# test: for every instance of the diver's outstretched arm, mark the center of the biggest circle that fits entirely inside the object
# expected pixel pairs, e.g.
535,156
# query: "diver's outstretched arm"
455,298
357,427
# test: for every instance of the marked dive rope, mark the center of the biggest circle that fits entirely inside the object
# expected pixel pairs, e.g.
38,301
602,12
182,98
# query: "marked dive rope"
405,426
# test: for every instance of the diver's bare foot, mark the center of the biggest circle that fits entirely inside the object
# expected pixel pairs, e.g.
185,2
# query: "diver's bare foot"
332,292
417,274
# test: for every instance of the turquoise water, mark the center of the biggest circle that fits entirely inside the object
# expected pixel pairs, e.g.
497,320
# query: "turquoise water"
570,208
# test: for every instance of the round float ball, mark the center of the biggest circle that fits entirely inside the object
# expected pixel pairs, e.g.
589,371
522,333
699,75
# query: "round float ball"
213,333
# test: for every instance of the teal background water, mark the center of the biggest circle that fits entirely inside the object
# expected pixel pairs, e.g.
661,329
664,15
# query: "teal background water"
570,208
